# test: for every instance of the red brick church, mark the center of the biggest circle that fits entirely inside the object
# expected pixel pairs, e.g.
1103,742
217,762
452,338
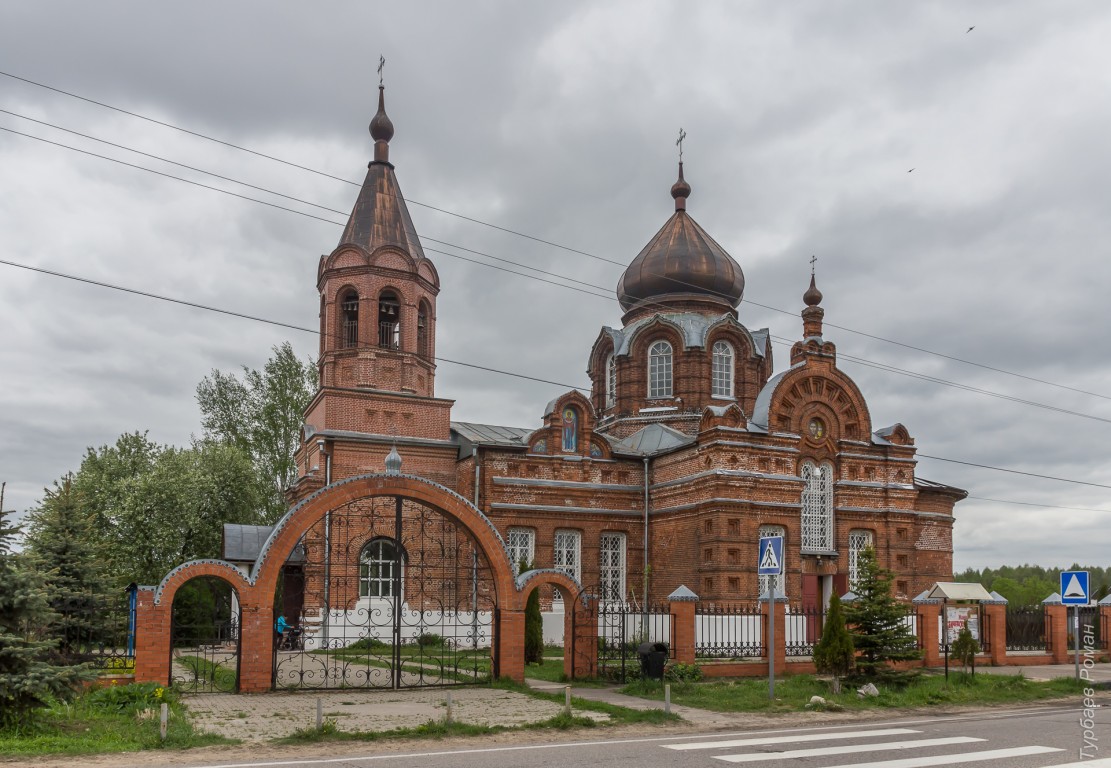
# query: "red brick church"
688,447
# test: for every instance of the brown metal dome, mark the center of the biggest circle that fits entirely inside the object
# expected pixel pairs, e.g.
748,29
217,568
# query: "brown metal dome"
681,261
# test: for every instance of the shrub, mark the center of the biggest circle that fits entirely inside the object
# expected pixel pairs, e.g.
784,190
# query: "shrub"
122,698
367,644
834,654
965,648
682,673
429,640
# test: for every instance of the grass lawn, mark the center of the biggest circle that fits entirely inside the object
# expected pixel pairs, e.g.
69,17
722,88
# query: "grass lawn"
100,723
792,693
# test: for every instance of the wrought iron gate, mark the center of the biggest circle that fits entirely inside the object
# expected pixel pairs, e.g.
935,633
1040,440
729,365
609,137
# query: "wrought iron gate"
387,593
614,630
204,637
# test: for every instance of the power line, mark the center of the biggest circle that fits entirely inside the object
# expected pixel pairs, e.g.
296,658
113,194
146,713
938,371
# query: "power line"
786,342
1013,471
195,305
257,319
1035,504
533,238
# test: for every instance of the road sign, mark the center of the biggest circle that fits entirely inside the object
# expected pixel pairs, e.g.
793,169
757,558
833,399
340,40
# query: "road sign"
1074,587
771,556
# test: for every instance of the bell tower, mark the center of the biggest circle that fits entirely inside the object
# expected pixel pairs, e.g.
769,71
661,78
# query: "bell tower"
377,360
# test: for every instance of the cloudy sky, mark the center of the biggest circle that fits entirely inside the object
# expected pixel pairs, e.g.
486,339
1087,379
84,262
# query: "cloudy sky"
953,184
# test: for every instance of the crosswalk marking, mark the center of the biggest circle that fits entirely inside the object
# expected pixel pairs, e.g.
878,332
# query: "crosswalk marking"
846,749
791,739
973,757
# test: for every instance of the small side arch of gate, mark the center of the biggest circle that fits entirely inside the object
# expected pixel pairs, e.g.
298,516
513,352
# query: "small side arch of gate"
432,616
567,585
608,633
203,599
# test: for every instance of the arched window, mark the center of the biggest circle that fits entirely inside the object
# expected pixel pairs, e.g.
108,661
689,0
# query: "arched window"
611,382
766,582
659,369
817,507
611,566
858,542
422,331
389,320
722,370
378,563
349,309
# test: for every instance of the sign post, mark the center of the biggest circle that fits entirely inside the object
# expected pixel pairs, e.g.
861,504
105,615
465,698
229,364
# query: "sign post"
1074,592
770,563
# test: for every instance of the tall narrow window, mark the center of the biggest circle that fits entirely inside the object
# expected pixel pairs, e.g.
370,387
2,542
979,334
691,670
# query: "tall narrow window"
817,507
567,553
349,308
722,370
389,320
858,542
422,331
767,582
659,370
521,543
611,566
377,566
611,382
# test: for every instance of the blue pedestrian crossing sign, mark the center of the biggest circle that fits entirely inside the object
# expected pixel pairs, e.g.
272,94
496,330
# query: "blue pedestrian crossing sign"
771,556
1074,587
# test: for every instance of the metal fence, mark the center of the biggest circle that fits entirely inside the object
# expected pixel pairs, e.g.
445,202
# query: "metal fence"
803,630
728,631
1028,629
622,628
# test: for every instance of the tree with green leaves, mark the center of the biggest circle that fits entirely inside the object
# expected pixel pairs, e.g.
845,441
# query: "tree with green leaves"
27,678
877,623
965,648
62,548
534,624
834,654
262,415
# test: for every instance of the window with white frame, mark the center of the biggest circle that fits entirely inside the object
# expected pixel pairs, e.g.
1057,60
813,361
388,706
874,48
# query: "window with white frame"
817,506
722,370
378,563
567,554
521,543
611,381
611,566
779,582
858,542
659,369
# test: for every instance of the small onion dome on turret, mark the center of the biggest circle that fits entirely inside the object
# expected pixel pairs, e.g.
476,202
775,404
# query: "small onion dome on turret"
681,262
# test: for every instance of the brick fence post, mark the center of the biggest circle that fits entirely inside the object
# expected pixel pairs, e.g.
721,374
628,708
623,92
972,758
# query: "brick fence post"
683,630
152,639
929,614
256,646
511,644
997,632
1057,632
778,614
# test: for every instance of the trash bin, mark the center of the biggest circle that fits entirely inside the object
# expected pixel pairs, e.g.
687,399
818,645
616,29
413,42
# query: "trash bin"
653,657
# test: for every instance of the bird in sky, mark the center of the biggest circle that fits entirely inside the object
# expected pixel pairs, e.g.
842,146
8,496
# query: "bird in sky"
911,170
970,29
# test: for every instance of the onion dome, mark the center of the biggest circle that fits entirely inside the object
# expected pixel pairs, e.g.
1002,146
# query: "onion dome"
681,262
393,462
381,129
812,297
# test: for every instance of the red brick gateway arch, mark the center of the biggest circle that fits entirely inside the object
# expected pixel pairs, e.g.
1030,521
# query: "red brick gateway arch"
394,581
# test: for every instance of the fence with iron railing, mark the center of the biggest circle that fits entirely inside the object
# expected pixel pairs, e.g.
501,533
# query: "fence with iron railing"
729,631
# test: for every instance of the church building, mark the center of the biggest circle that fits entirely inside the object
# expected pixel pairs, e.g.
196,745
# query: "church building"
689,446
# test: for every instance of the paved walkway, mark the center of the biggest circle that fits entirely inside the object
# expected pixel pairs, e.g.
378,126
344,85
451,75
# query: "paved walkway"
698,717
1099,673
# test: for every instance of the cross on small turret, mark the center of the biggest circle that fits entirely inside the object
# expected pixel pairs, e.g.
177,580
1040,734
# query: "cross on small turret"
813,260
679,143
381,66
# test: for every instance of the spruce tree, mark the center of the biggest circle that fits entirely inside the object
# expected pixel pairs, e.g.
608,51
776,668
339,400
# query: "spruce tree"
877,623
834,654
61,547
534,625
965,648
27,679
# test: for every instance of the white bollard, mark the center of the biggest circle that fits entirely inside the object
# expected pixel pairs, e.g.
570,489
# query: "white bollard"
567,699
165,720
667,698
447,717
320,714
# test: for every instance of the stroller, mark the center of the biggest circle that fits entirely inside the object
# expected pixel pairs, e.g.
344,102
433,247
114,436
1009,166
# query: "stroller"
291,640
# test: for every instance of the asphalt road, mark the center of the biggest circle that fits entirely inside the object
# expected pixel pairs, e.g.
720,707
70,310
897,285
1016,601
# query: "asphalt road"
1029,738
